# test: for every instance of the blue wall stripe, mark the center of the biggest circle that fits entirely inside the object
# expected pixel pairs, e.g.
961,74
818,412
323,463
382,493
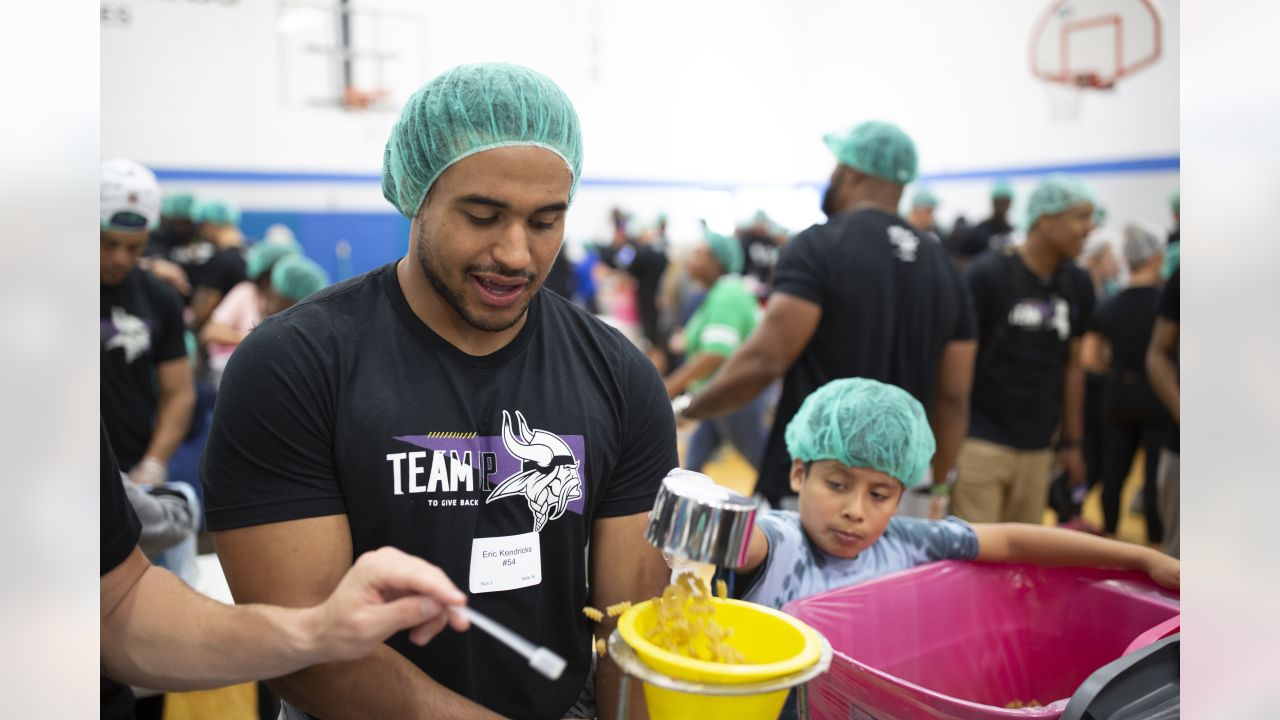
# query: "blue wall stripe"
1170,163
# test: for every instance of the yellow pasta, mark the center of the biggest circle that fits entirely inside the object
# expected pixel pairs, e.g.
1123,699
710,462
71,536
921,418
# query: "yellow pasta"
600,646
617,608
685,624
722,589
592,614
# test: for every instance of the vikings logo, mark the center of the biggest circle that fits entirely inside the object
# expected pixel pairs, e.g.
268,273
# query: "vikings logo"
553,481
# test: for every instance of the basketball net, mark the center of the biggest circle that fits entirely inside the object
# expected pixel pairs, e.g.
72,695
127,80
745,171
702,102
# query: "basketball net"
1066,98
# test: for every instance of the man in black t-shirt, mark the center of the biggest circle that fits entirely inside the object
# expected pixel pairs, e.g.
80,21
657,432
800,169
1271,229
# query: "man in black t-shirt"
183,253
994,233
157,632
1032,304
863,295
1162,370
760,247
147,390
442,405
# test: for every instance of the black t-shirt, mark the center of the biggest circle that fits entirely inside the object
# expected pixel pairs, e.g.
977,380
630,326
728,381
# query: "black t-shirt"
1169,310
891,301
140,327
990,234
1025,327
347,403
760,256
206,264
1126,321
118,535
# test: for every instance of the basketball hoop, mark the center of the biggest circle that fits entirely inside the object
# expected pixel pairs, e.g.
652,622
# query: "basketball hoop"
1082,45
353,99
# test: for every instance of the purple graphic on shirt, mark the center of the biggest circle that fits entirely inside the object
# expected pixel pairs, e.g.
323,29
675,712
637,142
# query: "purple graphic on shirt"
506,465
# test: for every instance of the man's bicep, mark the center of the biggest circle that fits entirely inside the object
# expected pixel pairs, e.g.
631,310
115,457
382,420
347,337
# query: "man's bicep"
294,564
955,368
174,376
624,566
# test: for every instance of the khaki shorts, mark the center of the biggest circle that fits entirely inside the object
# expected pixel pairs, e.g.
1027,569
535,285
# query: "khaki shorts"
997,483
1168,478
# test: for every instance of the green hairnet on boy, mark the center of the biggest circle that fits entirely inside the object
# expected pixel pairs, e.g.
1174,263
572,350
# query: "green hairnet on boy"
1002,189
1057,193
876,148
470,109
263,255
297,276
216,212
863,423
727,250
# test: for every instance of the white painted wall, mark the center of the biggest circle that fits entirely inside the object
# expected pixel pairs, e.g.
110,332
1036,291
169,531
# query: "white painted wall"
734,94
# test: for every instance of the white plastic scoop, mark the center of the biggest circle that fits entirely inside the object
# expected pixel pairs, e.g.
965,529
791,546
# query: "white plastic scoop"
540,658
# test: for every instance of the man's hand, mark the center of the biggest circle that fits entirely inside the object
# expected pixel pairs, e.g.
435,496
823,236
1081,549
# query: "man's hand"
149,471
171,273
1165,570
1072,461
384,592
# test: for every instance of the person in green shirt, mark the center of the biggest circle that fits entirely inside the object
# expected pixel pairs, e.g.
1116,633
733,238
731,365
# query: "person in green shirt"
726,317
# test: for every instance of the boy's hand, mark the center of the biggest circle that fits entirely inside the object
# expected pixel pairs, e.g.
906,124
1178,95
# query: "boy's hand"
1072,461
1165,570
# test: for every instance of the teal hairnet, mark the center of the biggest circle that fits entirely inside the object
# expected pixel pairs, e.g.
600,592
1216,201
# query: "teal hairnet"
216,212
727,250
178,205
925,198
1057,193
467,110
262,255
863,423
1002,189
876,148
296,276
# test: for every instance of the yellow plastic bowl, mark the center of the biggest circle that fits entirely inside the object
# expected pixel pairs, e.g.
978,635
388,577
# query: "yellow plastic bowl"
773,644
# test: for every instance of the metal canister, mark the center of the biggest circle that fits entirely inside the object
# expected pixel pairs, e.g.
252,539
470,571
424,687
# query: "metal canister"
695,519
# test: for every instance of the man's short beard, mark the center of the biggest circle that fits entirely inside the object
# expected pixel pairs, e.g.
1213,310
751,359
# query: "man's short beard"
454,298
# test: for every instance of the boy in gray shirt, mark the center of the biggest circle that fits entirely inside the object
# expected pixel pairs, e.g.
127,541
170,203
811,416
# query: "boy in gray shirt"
855,446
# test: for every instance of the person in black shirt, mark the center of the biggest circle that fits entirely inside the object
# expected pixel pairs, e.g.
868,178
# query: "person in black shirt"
147,389
1162,369
863,295
1116,346
640,256
1033,304
760,247
157,632
442,405
993,233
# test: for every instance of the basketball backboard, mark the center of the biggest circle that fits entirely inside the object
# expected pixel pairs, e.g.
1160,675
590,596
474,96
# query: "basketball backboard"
1094,43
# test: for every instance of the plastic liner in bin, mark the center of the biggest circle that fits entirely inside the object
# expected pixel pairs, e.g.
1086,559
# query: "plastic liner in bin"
955,640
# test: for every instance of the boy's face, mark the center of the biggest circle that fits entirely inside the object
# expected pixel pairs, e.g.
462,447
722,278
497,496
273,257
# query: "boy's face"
844,510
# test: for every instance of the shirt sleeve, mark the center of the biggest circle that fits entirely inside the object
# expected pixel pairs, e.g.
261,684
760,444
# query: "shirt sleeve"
170,343
1169,300
648,441
120,528
724,328
979,283
964,328
801,271
270,450
948,539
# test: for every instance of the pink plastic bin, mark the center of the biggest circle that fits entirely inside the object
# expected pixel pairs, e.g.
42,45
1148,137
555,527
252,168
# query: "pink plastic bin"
954,640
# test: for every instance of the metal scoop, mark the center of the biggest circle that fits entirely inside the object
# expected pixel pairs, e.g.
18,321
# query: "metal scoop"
695,519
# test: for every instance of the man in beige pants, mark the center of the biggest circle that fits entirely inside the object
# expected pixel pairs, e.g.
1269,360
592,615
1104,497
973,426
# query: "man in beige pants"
1032,304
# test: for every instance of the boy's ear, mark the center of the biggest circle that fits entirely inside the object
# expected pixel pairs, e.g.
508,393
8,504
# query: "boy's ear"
797,475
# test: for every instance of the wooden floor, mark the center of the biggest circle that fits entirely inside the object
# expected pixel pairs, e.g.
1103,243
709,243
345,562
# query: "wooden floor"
729,468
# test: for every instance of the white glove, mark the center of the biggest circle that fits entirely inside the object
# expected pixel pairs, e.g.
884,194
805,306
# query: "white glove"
149,471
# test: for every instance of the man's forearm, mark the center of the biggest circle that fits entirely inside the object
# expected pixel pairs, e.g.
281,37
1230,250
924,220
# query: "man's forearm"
1073,404
214,332
949,420
742,377
384,684
173,419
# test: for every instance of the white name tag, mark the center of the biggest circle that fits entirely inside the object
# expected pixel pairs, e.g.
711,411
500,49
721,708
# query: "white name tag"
505,563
